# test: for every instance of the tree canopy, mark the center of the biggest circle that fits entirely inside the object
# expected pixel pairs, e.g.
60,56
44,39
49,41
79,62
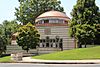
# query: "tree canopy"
2,44
7,28
85,17
28,37
30,9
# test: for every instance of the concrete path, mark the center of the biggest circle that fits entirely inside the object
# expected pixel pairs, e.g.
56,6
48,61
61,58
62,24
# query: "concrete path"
30,60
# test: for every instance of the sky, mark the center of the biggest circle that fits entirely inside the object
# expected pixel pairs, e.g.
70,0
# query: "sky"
7,8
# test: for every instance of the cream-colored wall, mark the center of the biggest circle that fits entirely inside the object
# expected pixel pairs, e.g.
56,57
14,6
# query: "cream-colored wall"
62,31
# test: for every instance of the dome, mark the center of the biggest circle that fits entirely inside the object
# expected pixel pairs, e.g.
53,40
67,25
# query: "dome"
52,14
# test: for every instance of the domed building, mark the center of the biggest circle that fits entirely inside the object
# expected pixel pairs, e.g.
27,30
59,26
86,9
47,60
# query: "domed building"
53,28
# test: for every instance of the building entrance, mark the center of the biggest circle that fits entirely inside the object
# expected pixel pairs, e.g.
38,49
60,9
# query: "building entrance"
48,42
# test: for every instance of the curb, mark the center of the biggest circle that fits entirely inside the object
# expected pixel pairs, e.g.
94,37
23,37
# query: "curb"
55,62
60,62
39,61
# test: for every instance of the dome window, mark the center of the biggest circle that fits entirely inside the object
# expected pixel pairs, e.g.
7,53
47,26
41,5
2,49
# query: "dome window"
66,22
46,21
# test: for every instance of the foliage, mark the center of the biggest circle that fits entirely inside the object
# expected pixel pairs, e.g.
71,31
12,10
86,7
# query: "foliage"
28,37
6,31
8,28
85,17
30,9
97,39
2,44
75,54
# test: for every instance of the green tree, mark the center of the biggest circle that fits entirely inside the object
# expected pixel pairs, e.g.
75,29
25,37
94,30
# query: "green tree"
85,17
8,28
28,37
97,39
2,44
30,9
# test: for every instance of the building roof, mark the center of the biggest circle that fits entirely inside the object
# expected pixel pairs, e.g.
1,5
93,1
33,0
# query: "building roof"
52,14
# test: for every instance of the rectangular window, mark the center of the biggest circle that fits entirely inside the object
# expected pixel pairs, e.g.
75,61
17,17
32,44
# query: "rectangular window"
46,21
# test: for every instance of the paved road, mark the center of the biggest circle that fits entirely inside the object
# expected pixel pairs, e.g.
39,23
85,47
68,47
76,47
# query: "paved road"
46,65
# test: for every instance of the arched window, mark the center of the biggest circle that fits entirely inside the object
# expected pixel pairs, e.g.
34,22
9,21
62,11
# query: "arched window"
42,45
51,45
53,40
57,38
47,44
43,40
56,45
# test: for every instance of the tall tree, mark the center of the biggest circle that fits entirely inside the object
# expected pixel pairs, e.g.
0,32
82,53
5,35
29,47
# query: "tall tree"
10,25
2,44
30,9
97,39
28,37
8,28
85,17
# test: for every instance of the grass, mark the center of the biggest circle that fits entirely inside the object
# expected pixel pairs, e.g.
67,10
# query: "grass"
75,54
5,59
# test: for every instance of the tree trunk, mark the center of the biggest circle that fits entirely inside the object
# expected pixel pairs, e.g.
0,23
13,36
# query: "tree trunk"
79,45
85,46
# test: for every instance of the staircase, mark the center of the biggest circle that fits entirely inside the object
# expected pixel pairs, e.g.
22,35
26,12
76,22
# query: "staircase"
17,49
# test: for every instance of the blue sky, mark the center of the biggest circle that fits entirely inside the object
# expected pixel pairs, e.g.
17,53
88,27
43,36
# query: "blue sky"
7,8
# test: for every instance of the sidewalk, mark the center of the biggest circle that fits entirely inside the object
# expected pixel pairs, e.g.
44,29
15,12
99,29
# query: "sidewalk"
30,60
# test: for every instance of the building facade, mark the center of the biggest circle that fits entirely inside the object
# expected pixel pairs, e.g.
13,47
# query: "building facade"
53,28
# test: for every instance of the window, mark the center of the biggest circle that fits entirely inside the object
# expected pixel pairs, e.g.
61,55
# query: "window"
43,40
46,21
40,41
53,40
66,22
51,45
40,22
56,45
43,45
47,44
60,21
61,40
60,45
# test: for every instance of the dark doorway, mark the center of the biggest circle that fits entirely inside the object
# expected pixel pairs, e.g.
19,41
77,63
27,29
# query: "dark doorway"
47,44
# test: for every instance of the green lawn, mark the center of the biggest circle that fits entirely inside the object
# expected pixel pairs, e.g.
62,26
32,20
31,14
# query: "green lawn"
75,54
5,59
